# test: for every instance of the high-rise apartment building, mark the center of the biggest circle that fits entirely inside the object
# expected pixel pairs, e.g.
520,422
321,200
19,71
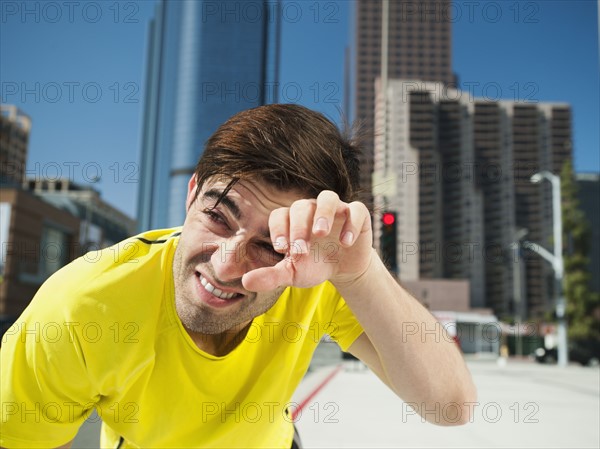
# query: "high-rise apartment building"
588,185
541,135
428,175
44,223
493,176
419,47
457,169
206,60
36,238
14,141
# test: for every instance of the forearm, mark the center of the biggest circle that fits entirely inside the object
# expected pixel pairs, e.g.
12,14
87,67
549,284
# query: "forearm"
419,360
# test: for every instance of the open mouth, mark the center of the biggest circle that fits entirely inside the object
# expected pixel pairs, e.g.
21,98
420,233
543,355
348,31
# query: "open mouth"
217,291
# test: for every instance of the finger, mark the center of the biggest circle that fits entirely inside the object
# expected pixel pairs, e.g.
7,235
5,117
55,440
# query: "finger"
301,218
279,221
357,221
324,216
267,278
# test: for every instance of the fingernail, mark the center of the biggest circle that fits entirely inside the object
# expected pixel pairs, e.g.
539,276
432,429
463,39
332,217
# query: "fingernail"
280,242
300,247
321,225
347,238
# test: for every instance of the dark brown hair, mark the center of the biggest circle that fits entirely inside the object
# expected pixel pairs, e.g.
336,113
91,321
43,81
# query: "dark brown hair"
287,146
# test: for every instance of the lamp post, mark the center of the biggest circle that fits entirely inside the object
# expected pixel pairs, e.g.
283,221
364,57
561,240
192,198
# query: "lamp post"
518,296
556,260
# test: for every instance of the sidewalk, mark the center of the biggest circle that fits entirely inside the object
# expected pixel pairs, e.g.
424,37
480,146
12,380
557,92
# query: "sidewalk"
520,405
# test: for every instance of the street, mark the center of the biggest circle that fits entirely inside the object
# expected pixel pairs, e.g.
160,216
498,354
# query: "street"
522,404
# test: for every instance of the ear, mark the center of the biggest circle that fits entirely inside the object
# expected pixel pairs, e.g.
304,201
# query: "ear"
191,194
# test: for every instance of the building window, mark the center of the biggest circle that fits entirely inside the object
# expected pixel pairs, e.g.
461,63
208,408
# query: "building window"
54,251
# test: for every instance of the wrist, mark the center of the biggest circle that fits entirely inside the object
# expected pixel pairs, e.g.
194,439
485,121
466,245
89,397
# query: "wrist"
350,282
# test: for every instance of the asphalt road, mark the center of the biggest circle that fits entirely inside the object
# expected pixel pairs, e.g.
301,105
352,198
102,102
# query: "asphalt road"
520,405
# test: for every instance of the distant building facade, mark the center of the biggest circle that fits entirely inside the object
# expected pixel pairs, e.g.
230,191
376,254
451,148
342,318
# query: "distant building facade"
102,225
206,60
589,202
14,141
44,224
37,239
419,47
427,175
457,170
542,139
475,330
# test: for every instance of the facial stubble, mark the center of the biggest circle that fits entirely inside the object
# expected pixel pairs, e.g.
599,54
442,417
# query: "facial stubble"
200,318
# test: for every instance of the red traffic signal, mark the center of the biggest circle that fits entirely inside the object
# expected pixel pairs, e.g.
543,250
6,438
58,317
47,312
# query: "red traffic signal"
388,218
389,239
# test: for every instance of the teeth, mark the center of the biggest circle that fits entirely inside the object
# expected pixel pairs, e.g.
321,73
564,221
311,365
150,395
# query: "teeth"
214,290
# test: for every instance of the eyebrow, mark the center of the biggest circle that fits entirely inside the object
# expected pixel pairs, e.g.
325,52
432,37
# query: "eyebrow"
218,196
230,204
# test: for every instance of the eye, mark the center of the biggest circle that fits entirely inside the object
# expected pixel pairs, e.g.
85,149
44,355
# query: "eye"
215,217
268,247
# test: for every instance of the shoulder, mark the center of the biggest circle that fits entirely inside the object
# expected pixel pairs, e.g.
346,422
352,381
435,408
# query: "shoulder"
146,250
102,301
139,249
109,285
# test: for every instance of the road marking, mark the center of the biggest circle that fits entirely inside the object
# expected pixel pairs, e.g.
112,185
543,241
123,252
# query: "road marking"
315,391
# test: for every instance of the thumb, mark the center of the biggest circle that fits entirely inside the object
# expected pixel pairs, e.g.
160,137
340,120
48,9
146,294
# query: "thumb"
266,278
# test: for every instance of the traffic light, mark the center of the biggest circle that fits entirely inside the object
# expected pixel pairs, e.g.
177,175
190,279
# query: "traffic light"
388,239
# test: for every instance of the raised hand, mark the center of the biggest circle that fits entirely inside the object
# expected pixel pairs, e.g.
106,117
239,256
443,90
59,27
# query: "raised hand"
322,239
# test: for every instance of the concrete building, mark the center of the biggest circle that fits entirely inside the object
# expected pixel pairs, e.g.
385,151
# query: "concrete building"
101,225
589,203
541,135
456,170
43,226
420,47
428,176
37,239
477,331
441,294
493,176
206,60
14,141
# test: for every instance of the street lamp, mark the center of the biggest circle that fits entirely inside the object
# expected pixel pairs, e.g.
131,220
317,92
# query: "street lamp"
518,284
556,260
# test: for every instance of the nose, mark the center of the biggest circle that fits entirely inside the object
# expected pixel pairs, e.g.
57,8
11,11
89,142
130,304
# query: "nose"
229,260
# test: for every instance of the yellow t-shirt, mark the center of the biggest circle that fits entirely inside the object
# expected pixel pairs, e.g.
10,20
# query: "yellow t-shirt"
103,333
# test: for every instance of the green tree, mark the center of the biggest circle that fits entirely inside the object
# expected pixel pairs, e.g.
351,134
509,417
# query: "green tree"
583,305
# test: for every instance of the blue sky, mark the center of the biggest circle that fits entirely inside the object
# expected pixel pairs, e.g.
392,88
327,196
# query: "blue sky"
77,70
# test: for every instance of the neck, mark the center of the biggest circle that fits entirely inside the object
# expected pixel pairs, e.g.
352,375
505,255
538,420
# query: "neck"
222,343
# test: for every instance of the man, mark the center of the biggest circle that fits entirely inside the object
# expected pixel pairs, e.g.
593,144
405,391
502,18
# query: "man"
198,336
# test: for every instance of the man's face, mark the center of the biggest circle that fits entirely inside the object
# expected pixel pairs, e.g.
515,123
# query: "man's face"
218,245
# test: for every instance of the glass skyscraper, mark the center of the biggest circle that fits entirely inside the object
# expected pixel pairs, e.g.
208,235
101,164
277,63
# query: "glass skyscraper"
206,60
